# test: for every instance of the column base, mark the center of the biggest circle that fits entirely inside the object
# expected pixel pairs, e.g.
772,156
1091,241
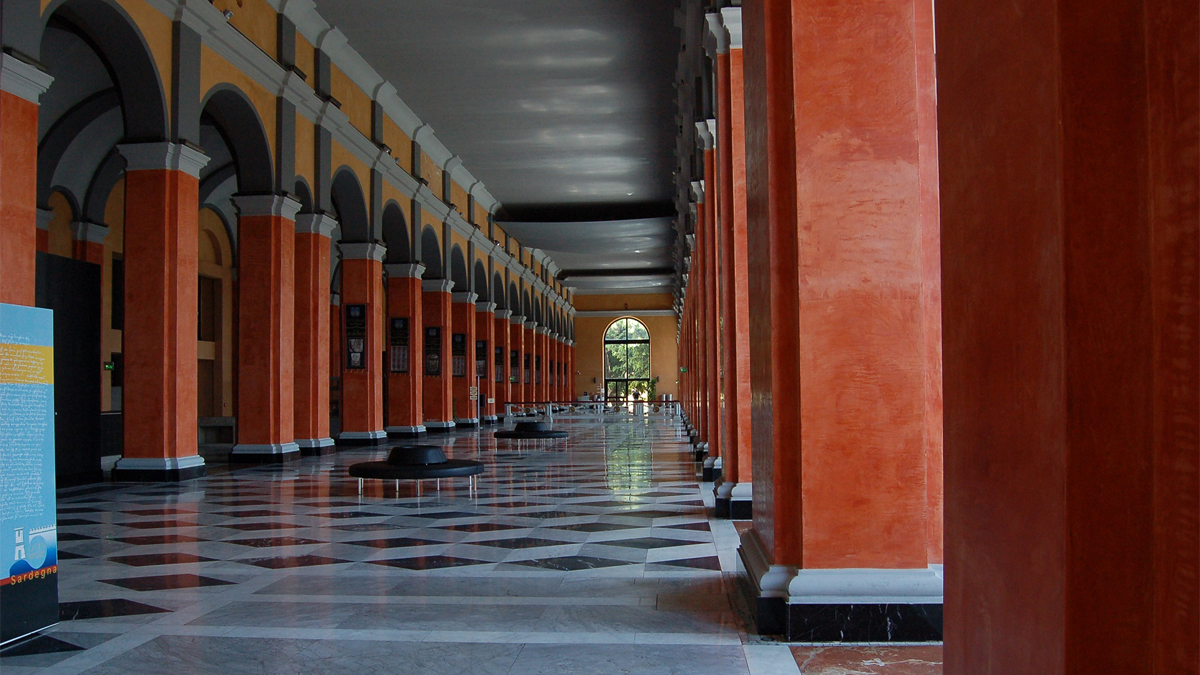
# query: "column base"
406,432
741,502
264,453
466,421
711,471
358,439
701,450
840,605
312,447
721,499
439,427
490,419
156,470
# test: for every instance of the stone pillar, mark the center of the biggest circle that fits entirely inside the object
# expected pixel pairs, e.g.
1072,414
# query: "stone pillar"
21,84
543,343
435,354
712,352
1069,211
406,325
839,546
485,332
362,320
311,335
516,344
335,359
265,329
734,496
701,317
466,414
500,365
161,289
87,242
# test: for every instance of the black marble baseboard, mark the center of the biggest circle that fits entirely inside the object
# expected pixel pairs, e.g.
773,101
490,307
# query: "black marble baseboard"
318,451
849,623
360,442
721,508
407,434
158,475
265,457
700,454
710,474
741,509
440,430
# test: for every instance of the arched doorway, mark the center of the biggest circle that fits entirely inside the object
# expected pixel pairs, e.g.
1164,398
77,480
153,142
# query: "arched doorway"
626,359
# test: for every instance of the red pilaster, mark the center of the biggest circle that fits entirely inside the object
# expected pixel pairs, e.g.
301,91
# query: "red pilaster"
466,411
266,326
1070,229
516,335
485,332
502,341
362,319
837,334
311,334
439,411
406,325
20,86
161,286
530,374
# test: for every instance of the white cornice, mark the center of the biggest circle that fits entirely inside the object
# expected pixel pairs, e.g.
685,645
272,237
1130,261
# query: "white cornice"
716,31
22,79
404,270
731,17
356,251
316,223
162,155
614,314
280,206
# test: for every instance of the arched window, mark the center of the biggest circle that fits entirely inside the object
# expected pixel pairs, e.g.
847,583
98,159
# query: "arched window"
626,359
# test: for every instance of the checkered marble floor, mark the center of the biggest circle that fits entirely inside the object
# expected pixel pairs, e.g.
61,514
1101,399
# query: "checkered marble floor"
590,555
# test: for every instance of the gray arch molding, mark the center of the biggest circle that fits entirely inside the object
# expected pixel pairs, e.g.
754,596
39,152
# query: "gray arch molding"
236,119
115,37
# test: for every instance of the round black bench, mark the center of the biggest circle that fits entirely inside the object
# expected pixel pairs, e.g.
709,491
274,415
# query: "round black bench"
531,431
417,462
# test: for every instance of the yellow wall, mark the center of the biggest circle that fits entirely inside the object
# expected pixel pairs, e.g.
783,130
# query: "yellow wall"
399,142
216,260
256,20
355,103
306,56
432,173
614,303
216,70
306,142
589,352
60,238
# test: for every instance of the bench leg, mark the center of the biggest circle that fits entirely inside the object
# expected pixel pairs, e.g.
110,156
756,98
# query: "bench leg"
360,487
438,483
418,488
397,487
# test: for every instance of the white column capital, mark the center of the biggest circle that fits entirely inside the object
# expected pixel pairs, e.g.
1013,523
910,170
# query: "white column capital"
542,330
163,155
732,18
22,79
44,216
316,223
335,299
704,137
698,191
437,285
716,29
485,306
517,319
464,296
89,232
531,325
367,251
281,206
503,314
404,270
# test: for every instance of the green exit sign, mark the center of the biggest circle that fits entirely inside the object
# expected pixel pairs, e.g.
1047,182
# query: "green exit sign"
682,369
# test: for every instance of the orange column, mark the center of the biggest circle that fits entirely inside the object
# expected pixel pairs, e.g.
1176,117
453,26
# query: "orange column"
697,290
87,242
435,355
335,359
466,412
560,374
516,344
1069,149
500,366
485,328
543,345
734,495
362,344
405,325
838,363
311,335
161,289
265,329
20,87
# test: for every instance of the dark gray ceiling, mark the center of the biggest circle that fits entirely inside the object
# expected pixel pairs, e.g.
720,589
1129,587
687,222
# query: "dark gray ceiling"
563,108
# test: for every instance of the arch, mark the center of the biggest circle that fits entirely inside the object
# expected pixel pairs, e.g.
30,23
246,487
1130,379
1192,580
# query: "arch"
458,269
335,276
626,359
395,233
498,295
351,206
481,282
111,172
303,194
514,299
526,306
537,310
431,254
120,44
230,112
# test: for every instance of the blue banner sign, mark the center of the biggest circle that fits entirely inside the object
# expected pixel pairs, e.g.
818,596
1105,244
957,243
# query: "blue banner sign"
28,532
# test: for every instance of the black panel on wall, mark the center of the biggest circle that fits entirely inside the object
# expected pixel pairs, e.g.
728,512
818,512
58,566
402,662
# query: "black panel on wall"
72,289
